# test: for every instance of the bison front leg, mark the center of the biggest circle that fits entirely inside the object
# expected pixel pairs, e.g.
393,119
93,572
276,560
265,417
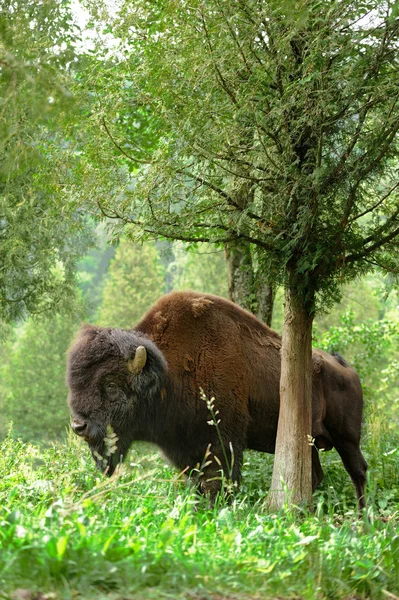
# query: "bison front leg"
317,471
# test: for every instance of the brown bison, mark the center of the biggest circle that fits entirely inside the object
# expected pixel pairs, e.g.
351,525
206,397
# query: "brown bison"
144,384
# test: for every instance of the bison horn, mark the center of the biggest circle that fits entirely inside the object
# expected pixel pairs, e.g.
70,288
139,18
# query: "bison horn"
137,363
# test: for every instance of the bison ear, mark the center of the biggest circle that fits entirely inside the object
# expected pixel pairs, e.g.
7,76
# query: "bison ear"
136,364
86,329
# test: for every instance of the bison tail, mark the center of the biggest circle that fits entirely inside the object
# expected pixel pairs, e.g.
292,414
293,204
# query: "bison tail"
339,358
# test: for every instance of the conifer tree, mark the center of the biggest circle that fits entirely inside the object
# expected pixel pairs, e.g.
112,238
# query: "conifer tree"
32,377
135,281
202,269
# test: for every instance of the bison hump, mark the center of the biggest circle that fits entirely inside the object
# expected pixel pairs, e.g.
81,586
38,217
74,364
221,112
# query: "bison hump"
200,305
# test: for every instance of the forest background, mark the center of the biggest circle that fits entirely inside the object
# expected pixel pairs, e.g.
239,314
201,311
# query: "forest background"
117,285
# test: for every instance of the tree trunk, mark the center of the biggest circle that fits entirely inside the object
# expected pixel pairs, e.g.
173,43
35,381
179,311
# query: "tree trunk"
244,286
240,275
166,257
265,297
292,472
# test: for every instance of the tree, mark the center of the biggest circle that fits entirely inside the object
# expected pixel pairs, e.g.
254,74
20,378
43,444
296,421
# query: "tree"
92,270
202,269
135,280
299,102
130,132
248,285
33,389
42,229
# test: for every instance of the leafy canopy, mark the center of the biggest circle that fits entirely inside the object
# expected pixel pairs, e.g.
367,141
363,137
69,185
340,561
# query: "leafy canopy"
296,102
42,230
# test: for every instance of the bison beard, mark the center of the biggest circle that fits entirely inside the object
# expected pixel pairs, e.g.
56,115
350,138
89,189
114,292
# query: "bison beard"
144,384
107,464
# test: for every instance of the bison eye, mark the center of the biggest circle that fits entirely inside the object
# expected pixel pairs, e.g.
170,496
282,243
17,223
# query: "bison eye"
111,386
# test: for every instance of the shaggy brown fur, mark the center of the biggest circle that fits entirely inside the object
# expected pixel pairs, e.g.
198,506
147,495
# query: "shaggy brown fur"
198,341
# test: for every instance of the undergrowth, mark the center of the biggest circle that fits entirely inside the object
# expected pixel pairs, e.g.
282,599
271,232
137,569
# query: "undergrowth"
143,533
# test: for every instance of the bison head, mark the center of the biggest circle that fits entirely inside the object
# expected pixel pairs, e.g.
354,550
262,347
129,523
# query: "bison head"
113,376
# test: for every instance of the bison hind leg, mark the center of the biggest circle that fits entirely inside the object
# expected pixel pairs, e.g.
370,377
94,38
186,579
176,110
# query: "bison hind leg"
219,478
356,466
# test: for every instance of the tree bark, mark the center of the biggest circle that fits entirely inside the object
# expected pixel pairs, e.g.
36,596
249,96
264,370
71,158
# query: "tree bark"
244,286
265,297
292,472
240,275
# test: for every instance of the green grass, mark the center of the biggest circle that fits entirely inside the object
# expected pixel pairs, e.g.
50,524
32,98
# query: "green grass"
64,529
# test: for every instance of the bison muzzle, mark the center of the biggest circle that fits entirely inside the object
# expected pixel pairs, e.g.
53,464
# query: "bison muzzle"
145,384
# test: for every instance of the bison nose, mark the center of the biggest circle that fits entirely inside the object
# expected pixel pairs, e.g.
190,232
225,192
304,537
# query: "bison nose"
79,427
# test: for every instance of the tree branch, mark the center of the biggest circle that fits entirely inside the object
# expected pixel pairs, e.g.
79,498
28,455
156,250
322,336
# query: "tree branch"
376,246
229,199
236,41
376,205
382,266
203,181
132,158
218,72
375,162
162,232
344,157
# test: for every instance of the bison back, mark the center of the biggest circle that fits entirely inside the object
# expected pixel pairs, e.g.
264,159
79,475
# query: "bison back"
212,344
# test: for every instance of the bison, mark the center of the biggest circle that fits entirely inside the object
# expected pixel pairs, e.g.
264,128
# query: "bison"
145,384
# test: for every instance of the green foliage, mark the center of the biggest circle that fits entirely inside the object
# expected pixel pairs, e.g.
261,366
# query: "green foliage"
367,340
372,349
34,82
366,297
39,249
201,268
33,391
42,229
272,130
135,280
92,271
137,535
